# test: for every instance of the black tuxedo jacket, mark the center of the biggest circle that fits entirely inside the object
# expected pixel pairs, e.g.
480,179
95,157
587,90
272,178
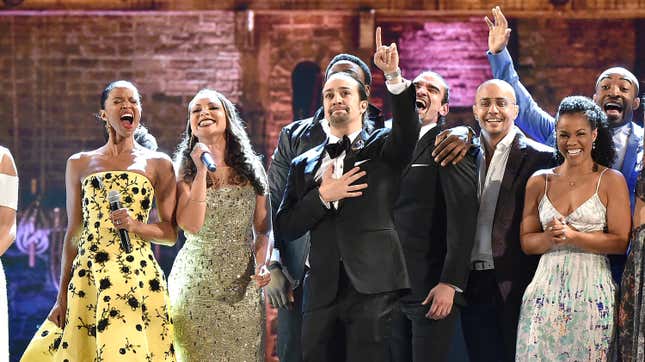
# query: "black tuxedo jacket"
295,139
360,233
435,215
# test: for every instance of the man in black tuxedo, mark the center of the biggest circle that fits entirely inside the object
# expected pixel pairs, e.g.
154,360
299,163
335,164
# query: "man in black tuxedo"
289,258
435,217
357,264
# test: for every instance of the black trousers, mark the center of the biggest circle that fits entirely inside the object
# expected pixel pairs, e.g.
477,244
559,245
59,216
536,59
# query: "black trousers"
416,338
489,324
289,329
361,323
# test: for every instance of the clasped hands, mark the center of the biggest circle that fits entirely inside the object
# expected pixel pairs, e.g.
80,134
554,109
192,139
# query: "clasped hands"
559,232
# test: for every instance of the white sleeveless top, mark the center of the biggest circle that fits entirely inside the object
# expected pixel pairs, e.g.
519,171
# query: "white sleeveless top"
590,216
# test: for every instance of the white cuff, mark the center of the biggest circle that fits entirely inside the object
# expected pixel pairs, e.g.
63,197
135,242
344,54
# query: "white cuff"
397,88
9,191
455,288
275,256
325,203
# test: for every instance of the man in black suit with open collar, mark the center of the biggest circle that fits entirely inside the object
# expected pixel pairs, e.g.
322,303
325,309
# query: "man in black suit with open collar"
357,265
435,217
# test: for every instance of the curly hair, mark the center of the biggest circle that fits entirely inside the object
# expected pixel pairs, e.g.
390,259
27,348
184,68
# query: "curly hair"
603,153
239,152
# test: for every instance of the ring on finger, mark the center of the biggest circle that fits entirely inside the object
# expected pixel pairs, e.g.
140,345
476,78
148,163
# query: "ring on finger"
549,228
564,237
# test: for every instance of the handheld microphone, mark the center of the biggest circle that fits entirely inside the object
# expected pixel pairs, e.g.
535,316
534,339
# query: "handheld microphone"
114,197
207,159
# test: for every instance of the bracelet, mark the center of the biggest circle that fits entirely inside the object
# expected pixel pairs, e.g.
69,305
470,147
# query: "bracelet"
197,201
274,266
391,76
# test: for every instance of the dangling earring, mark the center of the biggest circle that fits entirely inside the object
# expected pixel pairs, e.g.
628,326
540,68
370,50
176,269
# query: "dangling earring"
593,145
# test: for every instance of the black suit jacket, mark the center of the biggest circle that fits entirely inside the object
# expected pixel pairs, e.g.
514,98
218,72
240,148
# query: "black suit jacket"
513,268
361,232
435,215
295,139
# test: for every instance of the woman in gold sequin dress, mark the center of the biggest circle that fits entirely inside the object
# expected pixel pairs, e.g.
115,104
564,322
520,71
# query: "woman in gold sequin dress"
112,304
217,310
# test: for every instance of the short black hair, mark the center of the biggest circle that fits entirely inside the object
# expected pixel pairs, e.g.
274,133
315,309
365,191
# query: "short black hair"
352,59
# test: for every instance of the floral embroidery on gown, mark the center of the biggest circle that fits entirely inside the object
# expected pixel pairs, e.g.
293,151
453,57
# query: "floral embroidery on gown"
217,309
567,311
117,302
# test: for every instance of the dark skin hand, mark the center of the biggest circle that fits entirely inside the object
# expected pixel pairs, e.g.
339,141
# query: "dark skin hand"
452,145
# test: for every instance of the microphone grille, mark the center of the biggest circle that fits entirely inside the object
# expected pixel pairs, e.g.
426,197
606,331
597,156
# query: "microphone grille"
114,196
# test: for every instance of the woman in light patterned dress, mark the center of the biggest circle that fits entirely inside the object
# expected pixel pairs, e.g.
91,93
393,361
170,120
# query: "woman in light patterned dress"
8,206
574,215
217,311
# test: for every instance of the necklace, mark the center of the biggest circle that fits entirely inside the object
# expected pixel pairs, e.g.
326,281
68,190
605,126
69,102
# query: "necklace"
572,182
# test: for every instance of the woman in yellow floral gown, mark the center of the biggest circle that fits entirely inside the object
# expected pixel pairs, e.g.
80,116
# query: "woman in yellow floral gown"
113,305
218,312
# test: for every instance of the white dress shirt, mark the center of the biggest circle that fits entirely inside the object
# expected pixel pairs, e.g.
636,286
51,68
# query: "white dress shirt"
490,181
336,162
620,137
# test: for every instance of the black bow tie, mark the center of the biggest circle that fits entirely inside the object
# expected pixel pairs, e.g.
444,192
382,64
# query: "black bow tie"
335,149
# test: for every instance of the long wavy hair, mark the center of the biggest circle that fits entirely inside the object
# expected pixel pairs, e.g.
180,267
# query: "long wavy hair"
603,152
239,153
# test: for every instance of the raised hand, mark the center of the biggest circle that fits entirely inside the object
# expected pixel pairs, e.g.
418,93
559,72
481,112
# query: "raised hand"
498,32
386,58
332,189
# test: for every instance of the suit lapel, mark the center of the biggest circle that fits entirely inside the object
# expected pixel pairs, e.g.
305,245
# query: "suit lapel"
313,163
350,158
506,192
426,141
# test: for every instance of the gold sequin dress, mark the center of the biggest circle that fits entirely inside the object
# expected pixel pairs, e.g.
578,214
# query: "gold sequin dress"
117,302
217,310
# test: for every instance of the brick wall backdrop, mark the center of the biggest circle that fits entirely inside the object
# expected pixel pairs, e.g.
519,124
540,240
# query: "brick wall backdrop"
560,58
284,42
55,66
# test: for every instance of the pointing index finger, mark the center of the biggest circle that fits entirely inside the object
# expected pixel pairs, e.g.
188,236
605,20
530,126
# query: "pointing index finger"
379,43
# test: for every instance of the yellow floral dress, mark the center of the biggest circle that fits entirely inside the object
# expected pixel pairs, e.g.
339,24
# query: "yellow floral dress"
117,302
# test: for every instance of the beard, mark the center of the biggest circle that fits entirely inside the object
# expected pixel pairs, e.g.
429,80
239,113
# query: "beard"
338,119
615,120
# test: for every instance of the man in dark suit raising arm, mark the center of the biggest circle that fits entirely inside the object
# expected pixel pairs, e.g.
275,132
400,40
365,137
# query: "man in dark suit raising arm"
357,265
435,218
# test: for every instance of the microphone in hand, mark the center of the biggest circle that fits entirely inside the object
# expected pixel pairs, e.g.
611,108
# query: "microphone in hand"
207,159
114,197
